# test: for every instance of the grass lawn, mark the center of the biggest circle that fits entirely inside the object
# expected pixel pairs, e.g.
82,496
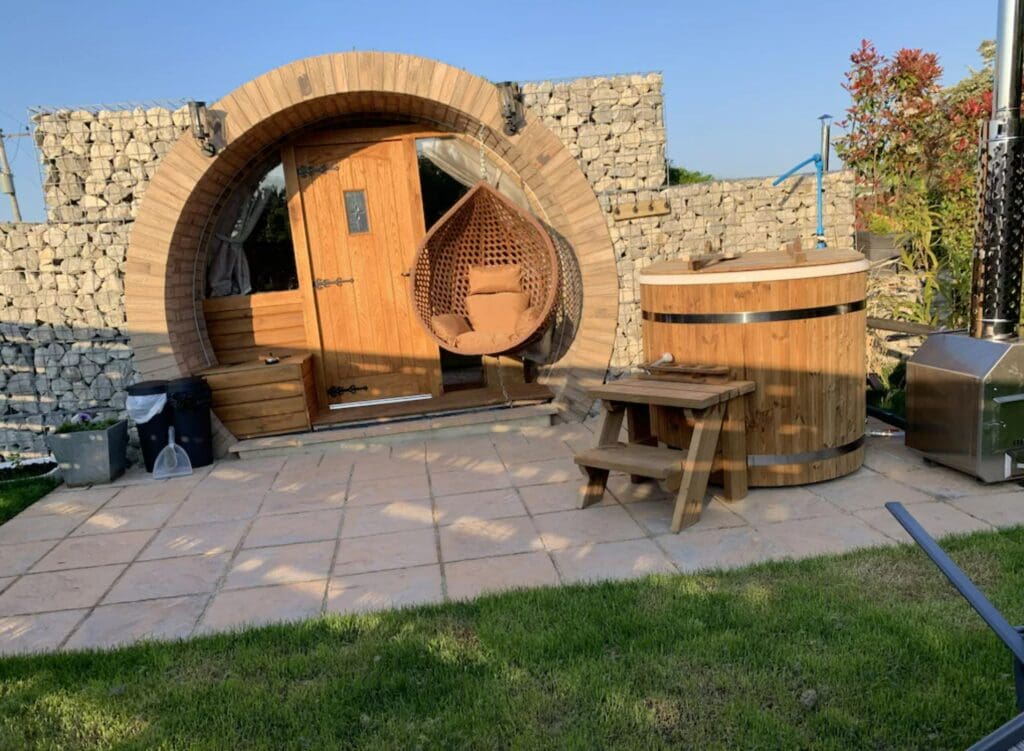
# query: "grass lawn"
20,494
896,660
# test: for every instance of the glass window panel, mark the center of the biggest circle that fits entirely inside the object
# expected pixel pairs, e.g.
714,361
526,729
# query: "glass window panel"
355,212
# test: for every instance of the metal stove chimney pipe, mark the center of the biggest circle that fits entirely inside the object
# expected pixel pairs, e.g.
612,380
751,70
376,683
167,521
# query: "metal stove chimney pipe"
999,239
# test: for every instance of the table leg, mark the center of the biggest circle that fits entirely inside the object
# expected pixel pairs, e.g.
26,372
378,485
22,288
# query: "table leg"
593,489
734,450
612,426
697,467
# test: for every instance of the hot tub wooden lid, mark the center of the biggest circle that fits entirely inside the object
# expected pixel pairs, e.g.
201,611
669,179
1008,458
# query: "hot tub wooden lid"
758,267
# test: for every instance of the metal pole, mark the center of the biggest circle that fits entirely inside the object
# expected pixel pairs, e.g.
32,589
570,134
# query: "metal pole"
7,180
1010,636
819,177
826,140
998,249
1009,56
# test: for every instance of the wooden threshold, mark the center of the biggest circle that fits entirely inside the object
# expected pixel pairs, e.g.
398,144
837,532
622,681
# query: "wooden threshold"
519,395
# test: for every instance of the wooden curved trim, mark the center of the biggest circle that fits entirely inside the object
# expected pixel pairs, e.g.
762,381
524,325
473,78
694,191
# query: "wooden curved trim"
758,275
163,263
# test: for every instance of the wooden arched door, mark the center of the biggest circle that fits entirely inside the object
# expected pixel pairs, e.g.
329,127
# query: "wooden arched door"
356,214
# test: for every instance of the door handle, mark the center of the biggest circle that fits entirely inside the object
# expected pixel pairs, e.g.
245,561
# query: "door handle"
406,273
324,283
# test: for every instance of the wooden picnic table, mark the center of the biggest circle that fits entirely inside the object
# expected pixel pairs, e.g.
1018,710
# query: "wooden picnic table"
714,410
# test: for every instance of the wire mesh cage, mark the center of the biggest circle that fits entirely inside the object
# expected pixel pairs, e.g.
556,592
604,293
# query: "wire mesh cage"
96,160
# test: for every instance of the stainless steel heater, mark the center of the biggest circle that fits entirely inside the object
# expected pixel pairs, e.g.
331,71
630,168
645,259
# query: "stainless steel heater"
965,392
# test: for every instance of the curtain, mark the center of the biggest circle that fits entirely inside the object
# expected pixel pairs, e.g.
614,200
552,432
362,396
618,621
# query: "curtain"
228,271
462,161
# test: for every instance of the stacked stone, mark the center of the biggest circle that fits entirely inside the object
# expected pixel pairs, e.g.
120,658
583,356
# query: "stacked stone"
63,340
892,293
614,126
737,215
96,164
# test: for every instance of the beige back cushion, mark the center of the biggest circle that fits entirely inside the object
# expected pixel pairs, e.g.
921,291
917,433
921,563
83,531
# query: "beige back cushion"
498,312
485,279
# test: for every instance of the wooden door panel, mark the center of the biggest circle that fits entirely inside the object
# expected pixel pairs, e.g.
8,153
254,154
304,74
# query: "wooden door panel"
367,327
383,386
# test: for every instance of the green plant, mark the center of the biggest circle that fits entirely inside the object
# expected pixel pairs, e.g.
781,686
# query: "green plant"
894,380
912,144
70,426
683,176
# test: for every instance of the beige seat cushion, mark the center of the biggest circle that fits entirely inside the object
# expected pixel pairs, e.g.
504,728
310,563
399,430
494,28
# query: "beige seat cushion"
489,279
498,312
484,341
527,322
449,325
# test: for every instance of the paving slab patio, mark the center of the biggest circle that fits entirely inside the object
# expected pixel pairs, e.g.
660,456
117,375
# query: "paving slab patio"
248,542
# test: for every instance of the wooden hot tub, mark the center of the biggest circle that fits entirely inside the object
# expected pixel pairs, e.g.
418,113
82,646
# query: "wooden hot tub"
792,324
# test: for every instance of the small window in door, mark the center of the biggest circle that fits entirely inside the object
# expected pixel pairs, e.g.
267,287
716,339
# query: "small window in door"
355,212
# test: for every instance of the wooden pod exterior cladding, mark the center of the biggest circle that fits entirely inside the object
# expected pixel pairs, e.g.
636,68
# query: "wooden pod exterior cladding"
794,327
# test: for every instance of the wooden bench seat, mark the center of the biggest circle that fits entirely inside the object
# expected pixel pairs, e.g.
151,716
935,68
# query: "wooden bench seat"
636,459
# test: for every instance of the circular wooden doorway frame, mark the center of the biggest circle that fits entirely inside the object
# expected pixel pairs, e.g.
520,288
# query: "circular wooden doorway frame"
163,271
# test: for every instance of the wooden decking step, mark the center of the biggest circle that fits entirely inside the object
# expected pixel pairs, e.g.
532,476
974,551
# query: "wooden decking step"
430,427
635,459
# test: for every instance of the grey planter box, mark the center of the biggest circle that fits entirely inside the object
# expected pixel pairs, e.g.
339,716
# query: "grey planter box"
877,247
91,457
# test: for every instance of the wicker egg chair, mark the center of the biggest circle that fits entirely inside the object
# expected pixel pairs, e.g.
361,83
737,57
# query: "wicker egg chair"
484,229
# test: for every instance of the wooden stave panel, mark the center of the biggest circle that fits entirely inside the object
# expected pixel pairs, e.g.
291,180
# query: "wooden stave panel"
255,400
255,427
833,345
245,328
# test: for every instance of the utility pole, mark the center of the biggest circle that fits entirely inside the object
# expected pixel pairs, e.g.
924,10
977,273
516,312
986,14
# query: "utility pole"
7,179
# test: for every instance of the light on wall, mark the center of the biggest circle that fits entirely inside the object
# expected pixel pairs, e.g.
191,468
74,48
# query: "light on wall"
511,106
197,116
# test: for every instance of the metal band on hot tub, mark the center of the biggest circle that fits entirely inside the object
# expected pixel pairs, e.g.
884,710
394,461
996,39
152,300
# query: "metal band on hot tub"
769,460
762,316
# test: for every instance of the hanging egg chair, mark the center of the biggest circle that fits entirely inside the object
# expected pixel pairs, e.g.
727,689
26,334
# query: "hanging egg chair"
485,277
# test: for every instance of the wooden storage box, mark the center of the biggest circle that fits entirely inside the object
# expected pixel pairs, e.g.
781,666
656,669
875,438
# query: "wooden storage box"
255,399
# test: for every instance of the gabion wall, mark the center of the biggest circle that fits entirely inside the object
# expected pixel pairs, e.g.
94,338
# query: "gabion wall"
64,340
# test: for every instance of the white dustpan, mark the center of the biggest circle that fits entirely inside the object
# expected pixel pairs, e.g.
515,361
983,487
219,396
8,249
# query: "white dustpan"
172,461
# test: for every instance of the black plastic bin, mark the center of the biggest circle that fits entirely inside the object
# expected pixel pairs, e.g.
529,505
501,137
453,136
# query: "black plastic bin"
152,434
190,399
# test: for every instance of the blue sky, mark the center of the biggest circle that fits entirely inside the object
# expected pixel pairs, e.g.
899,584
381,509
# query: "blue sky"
744,80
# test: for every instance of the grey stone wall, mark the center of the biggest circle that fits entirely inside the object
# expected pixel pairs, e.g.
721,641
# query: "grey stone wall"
63,336
63,341
615,126
96,164
64,344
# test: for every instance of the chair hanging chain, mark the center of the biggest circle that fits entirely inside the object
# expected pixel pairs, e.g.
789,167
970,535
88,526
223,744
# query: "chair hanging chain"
501,379
483,157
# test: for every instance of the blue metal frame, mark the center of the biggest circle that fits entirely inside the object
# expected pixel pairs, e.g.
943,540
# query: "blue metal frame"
819,175
1012,732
